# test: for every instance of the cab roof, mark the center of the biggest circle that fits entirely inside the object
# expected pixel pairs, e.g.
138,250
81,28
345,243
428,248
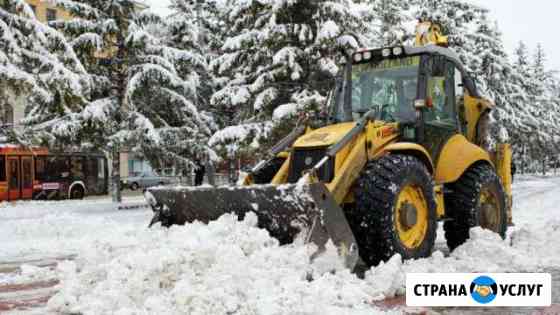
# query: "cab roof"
430,49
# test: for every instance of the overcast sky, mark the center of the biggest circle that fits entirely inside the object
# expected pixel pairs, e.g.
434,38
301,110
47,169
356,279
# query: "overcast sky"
532,21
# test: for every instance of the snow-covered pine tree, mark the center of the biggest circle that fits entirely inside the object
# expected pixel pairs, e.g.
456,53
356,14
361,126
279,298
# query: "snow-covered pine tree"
389,21
280,57
196,27
162,96
141,101
545,106
524,124
536,101
39,68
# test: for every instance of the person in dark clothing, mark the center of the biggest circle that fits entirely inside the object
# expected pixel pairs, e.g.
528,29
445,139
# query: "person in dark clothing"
513,170
199,172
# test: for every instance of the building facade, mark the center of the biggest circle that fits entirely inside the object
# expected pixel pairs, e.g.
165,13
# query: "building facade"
14,105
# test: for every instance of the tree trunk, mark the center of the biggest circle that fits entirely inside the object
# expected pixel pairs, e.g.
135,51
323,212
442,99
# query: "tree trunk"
210,172
116,176
521,160
119,77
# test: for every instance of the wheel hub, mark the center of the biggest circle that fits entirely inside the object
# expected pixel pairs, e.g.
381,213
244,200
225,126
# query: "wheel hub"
411,216
489,211
489,216
408,215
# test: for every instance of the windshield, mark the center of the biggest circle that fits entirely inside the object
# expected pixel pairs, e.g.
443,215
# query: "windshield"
388,86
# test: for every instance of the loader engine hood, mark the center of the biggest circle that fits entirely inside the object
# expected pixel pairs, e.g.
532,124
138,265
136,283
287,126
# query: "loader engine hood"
324,137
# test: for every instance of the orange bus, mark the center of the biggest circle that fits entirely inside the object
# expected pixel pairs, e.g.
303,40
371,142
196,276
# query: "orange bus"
38,174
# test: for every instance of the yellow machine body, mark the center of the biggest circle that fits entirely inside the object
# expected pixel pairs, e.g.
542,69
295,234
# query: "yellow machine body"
457,156
379,139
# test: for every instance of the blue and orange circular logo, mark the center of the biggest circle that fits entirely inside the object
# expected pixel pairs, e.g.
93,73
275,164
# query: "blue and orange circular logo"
484,289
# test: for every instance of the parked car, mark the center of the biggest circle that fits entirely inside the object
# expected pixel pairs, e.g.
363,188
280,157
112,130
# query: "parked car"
145,180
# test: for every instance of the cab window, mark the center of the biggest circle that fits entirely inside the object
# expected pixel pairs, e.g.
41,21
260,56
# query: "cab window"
388,85
460,90
441,93
459,86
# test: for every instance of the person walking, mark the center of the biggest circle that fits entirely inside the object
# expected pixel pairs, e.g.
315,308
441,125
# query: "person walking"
513,170
199,172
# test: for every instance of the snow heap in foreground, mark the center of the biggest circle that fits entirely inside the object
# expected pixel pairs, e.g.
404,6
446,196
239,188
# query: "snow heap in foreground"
232,267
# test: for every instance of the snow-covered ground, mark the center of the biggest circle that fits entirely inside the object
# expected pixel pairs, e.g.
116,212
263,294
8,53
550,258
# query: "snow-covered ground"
108,262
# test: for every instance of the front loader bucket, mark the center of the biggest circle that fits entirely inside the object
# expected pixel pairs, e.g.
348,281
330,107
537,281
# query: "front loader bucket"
285,211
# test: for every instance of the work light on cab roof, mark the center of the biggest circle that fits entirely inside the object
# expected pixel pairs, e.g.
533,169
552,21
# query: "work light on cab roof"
367,54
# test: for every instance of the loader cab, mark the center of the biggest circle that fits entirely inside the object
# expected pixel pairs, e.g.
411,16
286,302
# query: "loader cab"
421,88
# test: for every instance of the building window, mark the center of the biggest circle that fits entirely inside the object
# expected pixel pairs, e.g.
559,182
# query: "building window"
7,117
51,15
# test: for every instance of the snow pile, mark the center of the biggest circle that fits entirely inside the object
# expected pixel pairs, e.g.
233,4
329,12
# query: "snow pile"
485,252
225,267
231,267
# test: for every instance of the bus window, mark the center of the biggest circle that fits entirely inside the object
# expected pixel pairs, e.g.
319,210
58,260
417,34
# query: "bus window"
58,167
2,168
52,168
26,169
14,174
77,169
40,168
101,168
91,168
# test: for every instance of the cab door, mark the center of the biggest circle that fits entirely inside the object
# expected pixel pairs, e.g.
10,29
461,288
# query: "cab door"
14,178
26,177
440,120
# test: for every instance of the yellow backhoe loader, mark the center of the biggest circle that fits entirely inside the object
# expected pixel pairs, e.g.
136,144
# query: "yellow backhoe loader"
403,149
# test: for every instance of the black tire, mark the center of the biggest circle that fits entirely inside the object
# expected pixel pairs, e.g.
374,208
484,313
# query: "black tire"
77,193
466,210
373,217
134,186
